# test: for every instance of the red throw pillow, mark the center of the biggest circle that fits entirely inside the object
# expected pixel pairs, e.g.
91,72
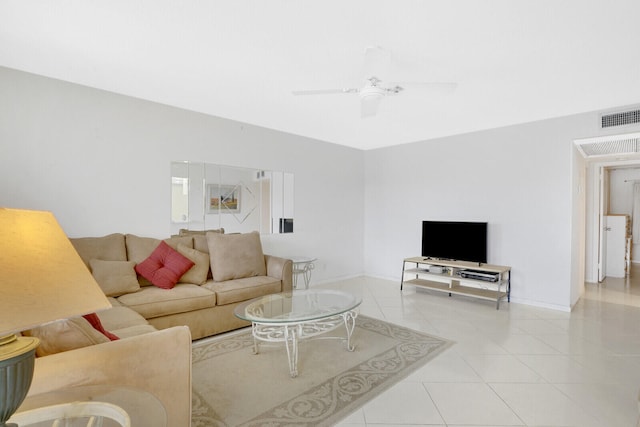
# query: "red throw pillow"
97,325
164,267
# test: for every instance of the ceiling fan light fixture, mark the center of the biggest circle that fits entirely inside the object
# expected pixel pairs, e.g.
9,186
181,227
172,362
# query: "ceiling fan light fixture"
369,104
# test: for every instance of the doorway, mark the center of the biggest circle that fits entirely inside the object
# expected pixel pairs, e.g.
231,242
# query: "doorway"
610,212
609,186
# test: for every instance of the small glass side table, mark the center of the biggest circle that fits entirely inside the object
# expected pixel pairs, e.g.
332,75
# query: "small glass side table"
302,266
143,408
69,414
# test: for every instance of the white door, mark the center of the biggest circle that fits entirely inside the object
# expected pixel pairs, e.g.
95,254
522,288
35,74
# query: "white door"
603,207
616,240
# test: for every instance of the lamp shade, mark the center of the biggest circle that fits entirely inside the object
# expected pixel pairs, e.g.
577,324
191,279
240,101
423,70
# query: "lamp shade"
42,277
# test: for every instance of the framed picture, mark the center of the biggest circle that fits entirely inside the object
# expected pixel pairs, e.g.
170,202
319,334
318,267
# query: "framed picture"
223,198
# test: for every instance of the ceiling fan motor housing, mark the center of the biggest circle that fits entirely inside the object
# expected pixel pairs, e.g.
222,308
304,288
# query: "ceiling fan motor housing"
372,92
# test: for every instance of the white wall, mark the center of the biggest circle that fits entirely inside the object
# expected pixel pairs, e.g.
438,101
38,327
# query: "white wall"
578,225
101,163
517,178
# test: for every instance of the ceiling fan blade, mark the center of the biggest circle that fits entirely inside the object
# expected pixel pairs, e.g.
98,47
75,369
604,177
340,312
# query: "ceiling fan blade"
377,63
369,106
444,87
324,91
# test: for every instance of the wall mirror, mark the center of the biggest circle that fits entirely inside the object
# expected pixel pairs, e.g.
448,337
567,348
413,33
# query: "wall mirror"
207,196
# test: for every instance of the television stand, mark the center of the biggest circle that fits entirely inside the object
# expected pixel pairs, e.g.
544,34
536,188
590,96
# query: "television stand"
473,279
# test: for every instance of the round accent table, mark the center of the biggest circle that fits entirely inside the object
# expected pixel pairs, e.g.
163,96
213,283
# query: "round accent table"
69,414
302,266
143,408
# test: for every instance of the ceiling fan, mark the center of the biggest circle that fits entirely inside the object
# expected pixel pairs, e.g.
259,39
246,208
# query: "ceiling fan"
377,62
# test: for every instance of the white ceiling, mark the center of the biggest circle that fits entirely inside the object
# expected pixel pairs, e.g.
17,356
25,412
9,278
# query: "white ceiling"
515,61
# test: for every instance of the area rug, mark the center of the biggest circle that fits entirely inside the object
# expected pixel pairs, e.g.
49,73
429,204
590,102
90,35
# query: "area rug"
234,387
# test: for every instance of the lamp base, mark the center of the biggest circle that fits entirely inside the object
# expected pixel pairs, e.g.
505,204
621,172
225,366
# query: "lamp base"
17,358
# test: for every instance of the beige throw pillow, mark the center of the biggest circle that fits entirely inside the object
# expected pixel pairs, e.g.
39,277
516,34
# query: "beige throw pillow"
198,273
65,335
115,277
235,256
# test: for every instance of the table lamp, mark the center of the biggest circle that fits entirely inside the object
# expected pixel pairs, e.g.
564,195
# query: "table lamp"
42,279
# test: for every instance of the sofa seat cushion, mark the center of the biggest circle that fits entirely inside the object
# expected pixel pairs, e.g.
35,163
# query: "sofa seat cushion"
243,289
120,317
133,331
153,302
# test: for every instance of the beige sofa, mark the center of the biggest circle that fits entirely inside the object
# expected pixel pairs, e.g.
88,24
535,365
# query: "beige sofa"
154,325
231,269
157,363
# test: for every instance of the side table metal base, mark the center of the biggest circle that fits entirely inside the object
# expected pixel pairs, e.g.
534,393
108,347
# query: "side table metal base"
302,266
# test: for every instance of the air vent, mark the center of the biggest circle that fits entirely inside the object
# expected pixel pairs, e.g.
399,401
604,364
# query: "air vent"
627,146
620,119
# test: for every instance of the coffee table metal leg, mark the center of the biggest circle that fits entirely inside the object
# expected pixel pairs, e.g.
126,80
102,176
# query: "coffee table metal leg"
350,323
254,333
291,342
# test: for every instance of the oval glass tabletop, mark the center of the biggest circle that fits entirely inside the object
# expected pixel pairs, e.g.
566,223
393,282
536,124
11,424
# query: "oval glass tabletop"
297,306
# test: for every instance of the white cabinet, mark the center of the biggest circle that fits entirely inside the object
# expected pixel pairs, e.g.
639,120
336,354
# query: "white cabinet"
485,281
617,244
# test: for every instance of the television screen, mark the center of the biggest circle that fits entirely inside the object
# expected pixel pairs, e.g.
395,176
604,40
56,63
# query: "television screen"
451,240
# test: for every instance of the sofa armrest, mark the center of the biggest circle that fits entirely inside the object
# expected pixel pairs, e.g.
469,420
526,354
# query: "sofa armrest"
280,268
158,363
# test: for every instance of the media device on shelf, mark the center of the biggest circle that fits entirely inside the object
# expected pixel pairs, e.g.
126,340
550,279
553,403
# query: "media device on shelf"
479,275
455,240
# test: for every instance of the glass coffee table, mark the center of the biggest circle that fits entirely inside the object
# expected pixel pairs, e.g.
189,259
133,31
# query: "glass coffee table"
293,316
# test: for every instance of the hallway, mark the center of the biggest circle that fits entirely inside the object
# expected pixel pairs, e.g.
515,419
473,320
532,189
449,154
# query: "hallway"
624,291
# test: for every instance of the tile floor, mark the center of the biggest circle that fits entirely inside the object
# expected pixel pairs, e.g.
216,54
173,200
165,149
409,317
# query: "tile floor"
519,366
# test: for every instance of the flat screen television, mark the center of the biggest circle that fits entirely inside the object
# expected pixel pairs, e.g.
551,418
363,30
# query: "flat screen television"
455,240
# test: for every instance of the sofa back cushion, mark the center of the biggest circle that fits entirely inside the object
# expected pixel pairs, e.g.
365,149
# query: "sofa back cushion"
109,248
236,256
185,232
200,243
